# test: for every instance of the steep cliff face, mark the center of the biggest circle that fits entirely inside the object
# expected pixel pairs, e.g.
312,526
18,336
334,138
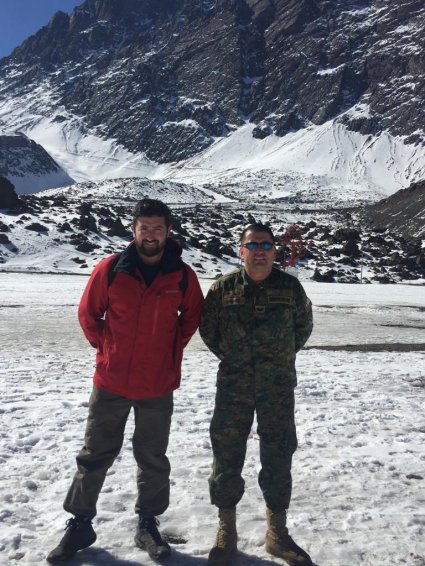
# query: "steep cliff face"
325,58
167,77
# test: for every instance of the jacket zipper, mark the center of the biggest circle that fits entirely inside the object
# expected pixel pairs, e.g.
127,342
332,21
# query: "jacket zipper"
131,358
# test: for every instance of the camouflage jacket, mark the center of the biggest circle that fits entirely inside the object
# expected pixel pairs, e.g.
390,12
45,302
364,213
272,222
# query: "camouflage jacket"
257,327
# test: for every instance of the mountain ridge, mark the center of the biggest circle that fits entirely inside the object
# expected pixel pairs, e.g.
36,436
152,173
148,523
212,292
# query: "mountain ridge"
184,73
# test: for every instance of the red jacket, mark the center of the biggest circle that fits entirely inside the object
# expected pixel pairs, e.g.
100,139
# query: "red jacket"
140,331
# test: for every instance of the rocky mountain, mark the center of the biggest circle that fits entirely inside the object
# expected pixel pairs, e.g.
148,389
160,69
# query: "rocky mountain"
70,230
286,110
28,166
403,212
168,78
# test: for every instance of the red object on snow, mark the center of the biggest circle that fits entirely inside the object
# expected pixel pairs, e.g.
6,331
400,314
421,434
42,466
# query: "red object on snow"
292,238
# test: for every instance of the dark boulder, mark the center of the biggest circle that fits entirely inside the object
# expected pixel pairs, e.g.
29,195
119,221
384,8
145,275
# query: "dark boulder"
327,277
8,196
88,222
65,227
346,234
85,208
36,227
117,228
351,249
4,239
86,247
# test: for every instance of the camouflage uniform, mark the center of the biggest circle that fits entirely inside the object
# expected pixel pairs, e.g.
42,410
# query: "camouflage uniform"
255,329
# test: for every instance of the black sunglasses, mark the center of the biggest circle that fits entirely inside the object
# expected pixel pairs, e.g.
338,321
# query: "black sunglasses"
254,245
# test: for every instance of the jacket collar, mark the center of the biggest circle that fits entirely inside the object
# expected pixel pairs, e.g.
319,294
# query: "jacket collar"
171,259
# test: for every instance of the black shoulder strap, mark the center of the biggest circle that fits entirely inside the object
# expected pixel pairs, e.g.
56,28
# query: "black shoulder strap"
183,280
111,274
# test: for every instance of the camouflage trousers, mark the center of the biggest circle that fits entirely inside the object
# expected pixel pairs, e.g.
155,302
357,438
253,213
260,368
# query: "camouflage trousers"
229,430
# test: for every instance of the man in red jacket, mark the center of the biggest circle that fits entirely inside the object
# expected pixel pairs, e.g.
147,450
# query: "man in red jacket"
139,310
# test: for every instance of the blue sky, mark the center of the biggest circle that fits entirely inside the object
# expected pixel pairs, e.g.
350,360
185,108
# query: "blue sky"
21,18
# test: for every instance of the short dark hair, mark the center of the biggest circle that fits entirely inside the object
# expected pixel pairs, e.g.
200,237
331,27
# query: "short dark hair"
257,227
152,207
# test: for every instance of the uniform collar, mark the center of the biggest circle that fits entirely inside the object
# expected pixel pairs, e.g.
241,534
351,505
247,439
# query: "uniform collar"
248,281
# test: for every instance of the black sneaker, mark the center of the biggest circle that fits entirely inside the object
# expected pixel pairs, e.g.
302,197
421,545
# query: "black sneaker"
148,538
79,534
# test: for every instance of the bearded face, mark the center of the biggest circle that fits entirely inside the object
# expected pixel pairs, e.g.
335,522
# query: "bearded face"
150,235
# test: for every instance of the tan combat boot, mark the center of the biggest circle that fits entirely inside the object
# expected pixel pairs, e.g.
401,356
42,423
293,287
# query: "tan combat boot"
280,544
226,540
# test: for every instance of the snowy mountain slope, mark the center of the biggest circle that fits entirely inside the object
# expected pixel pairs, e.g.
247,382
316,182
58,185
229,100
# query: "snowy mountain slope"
345,165
79,150
323,164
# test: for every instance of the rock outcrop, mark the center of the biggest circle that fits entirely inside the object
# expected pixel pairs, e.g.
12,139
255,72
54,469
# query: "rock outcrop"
29,165
402,212
8,196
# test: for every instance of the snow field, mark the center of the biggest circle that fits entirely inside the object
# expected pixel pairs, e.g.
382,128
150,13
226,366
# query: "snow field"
357,499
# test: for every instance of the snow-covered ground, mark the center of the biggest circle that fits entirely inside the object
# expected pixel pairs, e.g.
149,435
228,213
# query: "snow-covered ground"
359,472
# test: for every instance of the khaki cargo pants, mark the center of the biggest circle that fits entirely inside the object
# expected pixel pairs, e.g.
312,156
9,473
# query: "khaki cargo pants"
108,414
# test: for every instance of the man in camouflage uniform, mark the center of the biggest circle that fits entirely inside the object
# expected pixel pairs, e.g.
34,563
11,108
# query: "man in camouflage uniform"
255,320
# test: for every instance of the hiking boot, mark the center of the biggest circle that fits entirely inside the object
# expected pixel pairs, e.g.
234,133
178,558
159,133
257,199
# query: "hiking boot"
148,538
226,540
79,534
280,544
